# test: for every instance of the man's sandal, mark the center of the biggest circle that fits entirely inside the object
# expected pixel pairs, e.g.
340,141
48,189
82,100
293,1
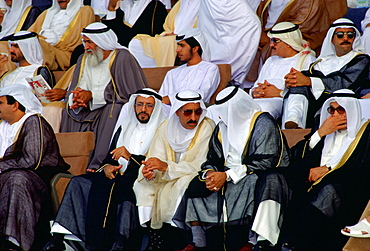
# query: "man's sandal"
360,230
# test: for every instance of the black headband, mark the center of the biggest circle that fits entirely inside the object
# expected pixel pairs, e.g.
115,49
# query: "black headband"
180,38
21,37
348,95
188,99
232,94
102,30
147,92
343,24
295,27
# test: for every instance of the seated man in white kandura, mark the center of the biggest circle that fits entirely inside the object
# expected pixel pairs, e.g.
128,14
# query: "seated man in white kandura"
196,74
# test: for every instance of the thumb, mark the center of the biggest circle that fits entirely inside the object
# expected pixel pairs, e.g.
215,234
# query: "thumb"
117,167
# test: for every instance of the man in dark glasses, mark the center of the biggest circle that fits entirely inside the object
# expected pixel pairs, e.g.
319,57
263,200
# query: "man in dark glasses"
327,177
174,158
343,63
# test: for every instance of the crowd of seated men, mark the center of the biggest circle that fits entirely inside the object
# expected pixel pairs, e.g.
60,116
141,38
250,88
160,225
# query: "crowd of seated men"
173,164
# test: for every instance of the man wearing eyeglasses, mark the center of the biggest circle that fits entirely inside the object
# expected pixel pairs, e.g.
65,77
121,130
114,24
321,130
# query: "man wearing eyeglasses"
100,208
343,63
290,50
328,177
174,159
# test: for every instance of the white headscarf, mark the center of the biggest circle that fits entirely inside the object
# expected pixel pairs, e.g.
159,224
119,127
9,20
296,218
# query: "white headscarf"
29,45
72,8
235,109
12,17
290,34
133,9
24,96
197,35
354,121
179,137
102,36
328,48
128,120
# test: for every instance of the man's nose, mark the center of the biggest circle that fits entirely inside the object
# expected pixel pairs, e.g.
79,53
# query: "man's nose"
193,116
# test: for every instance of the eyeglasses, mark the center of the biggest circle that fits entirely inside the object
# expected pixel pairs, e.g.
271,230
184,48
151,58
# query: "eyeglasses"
147,106
339,109
350,34
189,112
275,40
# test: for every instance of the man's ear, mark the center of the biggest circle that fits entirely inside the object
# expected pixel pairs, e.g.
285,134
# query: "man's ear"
195,49
15,106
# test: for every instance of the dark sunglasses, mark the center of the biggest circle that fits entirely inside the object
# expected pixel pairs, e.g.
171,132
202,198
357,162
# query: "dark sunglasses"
339,109
350,34
275,40
188,112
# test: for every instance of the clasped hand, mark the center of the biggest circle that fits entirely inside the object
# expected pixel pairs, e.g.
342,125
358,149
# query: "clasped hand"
215,180
152,164
295,78
80,98
266,90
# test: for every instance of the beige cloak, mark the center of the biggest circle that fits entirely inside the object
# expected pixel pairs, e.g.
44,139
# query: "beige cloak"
165,191
58,56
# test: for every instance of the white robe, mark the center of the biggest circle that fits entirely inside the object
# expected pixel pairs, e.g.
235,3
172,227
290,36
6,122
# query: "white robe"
202,78
274,70
19,75
231,28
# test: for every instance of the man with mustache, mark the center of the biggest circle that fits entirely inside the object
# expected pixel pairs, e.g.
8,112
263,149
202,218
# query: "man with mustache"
112,188
342,64
25,50
60,27
196,73
173,160
290,50
102,81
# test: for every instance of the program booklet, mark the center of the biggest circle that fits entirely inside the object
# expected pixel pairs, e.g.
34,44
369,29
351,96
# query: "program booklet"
39,86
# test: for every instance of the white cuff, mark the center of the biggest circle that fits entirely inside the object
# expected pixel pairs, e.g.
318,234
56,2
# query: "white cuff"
317,87
110,15
315,138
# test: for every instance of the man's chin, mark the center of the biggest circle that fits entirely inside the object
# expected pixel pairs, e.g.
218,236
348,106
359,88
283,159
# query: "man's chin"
144,120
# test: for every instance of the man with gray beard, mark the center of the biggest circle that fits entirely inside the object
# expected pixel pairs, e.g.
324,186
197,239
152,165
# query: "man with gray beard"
103,79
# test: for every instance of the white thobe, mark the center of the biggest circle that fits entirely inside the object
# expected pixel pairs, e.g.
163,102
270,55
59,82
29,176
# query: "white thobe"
202,78
19,75
231,28
95,79
365,38
57,28
273,71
